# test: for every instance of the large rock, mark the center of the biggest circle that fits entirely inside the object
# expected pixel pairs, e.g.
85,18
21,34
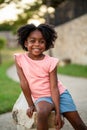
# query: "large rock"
22,120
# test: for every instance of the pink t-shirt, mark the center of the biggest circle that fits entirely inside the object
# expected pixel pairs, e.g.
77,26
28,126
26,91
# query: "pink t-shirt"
37,74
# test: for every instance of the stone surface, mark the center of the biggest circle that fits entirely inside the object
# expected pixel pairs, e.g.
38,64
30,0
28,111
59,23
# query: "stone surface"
6,122
72,41
20,117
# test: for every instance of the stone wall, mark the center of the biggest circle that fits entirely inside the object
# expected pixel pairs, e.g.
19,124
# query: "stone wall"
72,41
10,37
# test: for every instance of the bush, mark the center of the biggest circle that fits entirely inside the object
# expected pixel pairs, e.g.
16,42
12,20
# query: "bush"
2,44
5,27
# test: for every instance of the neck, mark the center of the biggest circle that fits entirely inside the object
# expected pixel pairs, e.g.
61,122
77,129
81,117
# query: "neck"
39,57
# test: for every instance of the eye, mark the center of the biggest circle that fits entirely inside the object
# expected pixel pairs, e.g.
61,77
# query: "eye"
42,41
31,41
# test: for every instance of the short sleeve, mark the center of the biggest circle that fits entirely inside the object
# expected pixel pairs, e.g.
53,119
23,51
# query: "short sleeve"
53,63
17,59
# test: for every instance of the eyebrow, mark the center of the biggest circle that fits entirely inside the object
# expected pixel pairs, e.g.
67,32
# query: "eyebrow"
36,38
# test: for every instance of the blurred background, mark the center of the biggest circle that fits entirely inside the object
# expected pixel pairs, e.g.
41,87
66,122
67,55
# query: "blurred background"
69,18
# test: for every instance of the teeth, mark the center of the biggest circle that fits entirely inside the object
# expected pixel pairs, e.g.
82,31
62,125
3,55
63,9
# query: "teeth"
36,49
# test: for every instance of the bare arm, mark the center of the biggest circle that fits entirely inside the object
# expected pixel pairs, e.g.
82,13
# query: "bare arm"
24,85
56,98
54,89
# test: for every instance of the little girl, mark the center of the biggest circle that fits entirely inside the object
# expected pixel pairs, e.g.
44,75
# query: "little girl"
38,78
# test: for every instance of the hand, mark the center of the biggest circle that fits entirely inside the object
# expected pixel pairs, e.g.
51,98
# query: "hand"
30,111
59,122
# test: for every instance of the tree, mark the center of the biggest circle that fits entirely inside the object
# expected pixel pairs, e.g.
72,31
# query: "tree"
30,10
3,3
54,3
6,26
2,44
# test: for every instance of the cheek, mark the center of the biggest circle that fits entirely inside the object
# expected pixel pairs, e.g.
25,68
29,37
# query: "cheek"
29,46
44,47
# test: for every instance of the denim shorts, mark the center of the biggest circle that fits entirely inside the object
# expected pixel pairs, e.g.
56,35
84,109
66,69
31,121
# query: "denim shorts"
66,102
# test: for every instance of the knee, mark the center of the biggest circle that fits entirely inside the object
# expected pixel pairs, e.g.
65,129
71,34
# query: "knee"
42,113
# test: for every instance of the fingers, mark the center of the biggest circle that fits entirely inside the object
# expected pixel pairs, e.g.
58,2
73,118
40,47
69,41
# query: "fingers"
57,127
62,123
29,112
59,124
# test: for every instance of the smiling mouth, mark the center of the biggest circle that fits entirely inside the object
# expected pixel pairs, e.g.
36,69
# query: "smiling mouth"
37,49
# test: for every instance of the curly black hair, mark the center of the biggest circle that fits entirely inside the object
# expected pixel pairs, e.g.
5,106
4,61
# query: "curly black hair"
47,31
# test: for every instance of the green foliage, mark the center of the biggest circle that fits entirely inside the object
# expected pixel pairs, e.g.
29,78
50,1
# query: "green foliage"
2,1
2,42
27,14
6,26
28,11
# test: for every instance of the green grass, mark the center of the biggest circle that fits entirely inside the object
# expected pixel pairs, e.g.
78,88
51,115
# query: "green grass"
73,70
9,89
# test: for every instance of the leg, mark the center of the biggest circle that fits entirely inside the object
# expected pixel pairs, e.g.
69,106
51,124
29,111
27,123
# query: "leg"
43,109
75,120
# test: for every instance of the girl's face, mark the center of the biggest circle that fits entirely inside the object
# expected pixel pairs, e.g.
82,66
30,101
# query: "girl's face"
35,43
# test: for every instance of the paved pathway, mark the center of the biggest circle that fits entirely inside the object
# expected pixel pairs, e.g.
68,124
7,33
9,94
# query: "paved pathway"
6,122
77,87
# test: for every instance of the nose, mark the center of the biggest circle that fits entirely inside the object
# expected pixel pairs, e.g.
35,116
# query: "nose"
37,43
